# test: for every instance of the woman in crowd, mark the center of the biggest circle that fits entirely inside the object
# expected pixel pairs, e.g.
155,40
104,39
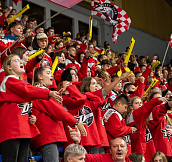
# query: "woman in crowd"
15,112
141,140
160,125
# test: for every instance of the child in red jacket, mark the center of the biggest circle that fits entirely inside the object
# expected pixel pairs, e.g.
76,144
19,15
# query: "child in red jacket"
50,115
141,140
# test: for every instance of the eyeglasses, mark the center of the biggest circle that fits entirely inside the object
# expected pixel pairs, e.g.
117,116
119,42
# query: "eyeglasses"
16,60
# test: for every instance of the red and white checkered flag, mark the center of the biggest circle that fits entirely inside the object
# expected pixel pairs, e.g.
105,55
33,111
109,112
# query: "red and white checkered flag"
171,41
113,14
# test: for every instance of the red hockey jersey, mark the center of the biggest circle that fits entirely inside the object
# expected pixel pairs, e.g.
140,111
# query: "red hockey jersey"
82,109
14,119
50,115
158,125
101,158
141,140
116,127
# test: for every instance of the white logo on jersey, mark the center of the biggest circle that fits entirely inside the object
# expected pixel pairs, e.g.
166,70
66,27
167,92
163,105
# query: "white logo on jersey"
148,135
165,131
127,139
85,115
26,108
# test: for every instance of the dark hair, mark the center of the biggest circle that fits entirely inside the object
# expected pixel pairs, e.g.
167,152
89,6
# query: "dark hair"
85,85
153,94
127,85
100,56
49,29
140,66
31,19
79,57
135,157
82,33
58,53
28,41
124,99
141,57
165,92
66,75
106,61
19,51
136,73
13,24
113,78
57,43
70,47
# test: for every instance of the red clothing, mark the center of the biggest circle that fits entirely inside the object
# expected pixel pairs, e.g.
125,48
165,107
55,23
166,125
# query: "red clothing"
49,122
5,43
116,127
82,107
69,62
99,120
113,70
158,125
141,140
101,158
96,49
139,92
2,18
14,119
31,64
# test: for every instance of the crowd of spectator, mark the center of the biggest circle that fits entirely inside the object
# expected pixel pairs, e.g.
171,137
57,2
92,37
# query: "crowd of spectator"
95,105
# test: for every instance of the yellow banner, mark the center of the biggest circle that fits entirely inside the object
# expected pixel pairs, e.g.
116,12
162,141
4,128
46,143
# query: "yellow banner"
19,13
90,27
54,65
155,65
129,50
150,86
119,73
66,40
103,52
95,54
38,52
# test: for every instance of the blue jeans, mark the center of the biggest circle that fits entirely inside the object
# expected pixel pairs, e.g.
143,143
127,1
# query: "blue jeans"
15,150
50,152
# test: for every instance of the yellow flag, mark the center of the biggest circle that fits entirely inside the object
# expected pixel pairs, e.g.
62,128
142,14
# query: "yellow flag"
54,65
103,52
90,27
95,54
155,65
19,13
66,40
38,52
129,50
150,86
119,73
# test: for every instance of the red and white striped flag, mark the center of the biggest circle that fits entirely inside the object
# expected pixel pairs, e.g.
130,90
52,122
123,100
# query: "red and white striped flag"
113,14
66,3
171,41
